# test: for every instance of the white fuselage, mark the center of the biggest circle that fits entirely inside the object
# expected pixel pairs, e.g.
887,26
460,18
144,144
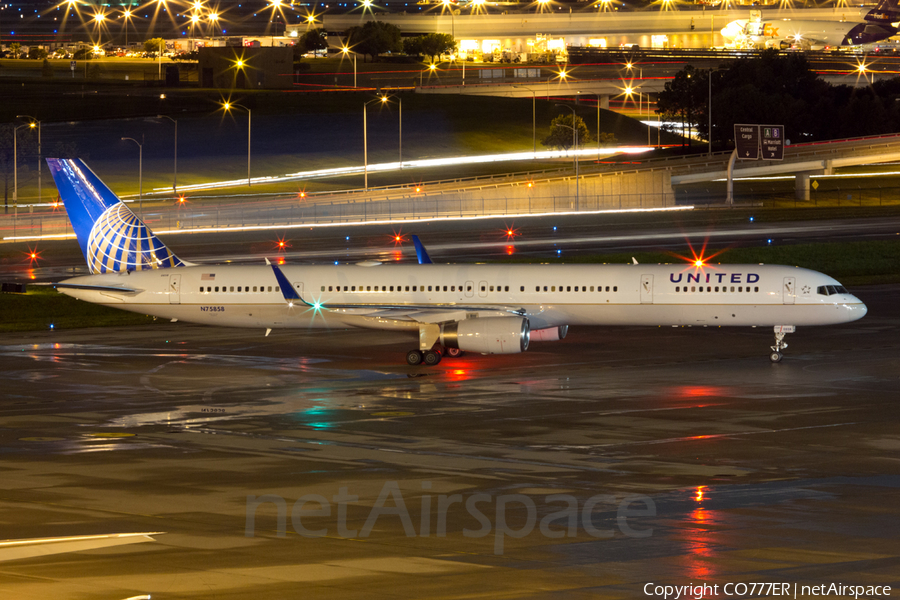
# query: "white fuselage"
403,296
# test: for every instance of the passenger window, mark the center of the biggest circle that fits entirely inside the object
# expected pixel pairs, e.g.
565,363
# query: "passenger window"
694,288
592,288
756,289
217,288
701,288
468,288
277,289
414,288
452,288
709,288
615,288
576,288
482,288
368,288
407,288
607,288
329,288
492,288
392,288
445,288
553,288
732,288
352,288
717,288
323,288
568,288
429,288
545,288
677,289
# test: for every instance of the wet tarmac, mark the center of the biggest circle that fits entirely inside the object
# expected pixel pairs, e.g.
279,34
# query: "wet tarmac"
584,468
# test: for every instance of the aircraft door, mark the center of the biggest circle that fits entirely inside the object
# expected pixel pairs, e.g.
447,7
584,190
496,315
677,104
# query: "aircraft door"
174,290
646,289
470,289
482,289
789,293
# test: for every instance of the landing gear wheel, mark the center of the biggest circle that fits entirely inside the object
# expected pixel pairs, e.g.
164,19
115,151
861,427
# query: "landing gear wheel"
780,344
432,358
414,357
453,352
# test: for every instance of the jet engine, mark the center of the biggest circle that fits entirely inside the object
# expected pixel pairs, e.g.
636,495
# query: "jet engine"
487,335
550,334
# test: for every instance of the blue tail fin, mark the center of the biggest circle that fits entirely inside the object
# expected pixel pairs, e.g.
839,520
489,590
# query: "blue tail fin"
112,238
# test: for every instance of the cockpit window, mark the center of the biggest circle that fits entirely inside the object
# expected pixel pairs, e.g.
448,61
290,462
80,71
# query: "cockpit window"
828,290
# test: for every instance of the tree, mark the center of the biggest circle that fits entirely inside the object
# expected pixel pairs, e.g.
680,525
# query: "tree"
684,99
36,53
15,47
313,40
432,45
155,46
83,54
562,136
26,146
374,38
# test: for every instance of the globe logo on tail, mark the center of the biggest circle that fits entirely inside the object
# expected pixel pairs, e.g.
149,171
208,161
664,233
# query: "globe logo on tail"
120,242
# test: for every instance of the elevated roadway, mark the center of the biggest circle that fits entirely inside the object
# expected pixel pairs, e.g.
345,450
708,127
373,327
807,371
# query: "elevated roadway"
800,160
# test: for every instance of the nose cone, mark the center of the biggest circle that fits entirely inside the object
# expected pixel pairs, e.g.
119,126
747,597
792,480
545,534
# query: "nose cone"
855,309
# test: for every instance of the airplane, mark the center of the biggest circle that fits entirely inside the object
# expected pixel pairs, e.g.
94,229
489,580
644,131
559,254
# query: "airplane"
453,308
880,23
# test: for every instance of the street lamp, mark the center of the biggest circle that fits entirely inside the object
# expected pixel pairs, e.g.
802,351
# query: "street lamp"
229,106
140,173
574,129
213,19
16,167
194,20
126,15
432,67
175,173
382,99
33,121
346,51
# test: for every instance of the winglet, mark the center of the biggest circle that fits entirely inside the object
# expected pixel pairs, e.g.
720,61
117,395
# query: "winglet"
634,260
421,253
287,290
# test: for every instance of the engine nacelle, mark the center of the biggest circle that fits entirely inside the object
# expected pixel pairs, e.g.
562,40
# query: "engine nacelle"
550,334
487,335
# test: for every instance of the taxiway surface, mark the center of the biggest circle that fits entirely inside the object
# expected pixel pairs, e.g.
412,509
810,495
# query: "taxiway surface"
733,469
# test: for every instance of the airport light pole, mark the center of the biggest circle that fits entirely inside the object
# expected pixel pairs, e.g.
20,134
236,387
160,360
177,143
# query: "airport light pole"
574,129
140,173
33,121
16,166
175,172
382,99
229,106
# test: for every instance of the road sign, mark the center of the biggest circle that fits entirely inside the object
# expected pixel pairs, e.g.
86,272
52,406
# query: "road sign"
72,65
772,142
746,138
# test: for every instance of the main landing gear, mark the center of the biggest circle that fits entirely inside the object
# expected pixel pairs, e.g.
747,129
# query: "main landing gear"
431,357
780,344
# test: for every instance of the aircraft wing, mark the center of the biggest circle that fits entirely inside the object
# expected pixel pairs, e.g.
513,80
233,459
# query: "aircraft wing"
29,548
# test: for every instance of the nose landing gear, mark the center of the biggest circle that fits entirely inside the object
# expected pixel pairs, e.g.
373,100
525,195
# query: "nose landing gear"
780,344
